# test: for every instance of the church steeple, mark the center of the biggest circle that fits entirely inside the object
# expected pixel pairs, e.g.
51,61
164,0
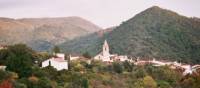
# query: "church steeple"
105,49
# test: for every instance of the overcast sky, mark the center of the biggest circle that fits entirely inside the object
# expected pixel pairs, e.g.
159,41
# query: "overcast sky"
104,13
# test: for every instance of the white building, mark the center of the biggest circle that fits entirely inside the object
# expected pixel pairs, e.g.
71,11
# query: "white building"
57,62
71,57
105,55
159,63
2,47
187,69
3,67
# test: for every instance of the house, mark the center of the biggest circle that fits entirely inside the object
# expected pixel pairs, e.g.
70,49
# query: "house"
73,57
3,47
186,68
105,55
2,67
141,62
58,62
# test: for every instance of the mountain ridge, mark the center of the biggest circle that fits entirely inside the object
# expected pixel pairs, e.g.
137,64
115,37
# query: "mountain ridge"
51,30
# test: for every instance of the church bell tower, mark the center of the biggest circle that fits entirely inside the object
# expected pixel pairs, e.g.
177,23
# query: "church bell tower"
106,49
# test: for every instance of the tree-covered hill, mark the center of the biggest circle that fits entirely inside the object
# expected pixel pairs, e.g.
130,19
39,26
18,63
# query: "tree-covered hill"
155,32
90,43
160,33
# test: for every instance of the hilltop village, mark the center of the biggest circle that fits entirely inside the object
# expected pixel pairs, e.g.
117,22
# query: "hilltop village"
59,62
105,56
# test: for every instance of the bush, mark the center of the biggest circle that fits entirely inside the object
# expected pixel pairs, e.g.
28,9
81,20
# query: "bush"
117,67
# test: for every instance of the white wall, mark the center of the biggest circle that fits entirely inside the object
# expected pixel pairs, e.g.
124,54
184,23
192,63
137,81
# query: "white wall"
58,65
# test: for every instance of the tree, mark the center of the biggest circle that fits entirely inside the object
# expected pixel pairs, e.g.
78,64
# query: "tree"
41,56
140,73
163,84
3,75
128,66
51,72
19,85
190,81
117,67
87,55
146,82
78,81
34,82
164,73
56,49
20,60
3,55
44,83
38,72
149,82
138,84
85,83
6,84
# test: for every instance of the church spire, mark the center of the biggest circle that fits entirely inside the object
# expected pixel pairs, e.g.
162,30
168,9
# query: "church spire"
105,48
105,43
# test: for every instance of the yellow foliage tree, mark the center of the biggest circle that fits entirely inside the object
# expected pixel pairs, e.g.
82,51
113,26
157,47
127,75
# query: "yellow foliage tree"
149,82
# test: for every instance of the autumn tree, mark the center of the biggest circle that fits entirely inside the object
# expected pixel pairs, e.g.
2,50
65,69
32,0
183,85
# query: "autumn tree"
149,82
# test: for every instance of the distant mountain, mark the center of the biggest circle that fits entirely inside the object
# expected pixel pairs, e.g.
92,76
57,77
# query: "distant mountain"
42,33
155,32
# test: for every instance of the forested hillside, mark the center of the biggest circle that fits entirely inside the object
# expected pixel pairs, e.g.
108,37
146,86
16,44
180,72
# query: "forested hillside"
91,43
155,32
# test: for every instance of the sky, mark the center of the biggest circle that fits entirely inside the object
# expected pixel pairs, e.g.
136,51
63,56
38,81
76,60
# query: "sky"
104,13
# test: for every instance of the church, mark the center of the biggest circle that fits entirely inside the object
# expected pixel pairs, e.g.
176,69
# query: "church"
105,55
